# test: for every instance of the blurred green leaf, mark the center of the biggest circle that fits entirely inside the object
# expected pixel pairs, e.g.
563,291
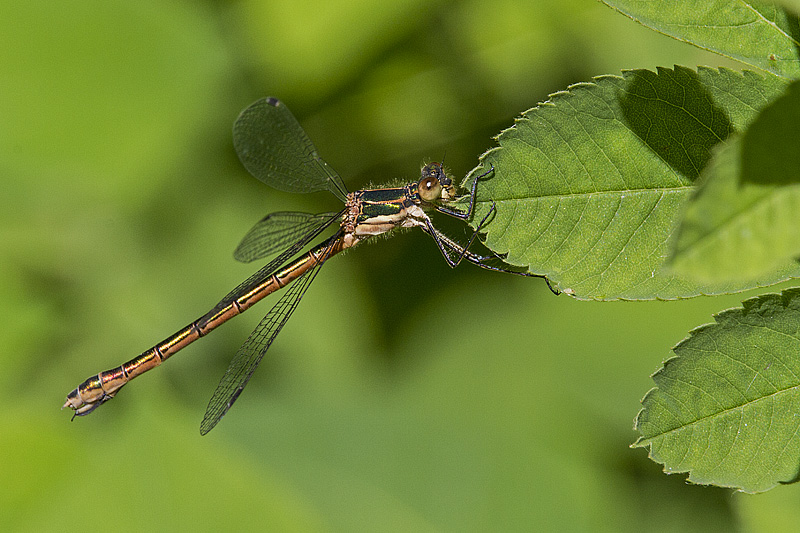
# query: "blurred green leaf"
793,5
725,408
757,33
590,185
743,220
326,47
85,111
48,459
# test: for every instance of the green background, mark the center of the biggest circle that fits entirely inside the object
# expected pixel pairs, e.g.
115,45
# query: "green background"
402,395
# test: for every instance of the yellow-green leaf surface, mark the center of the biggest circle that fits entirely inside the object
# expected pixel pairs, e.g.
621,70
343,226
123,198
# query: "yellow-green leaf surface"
744,220
726,409
590,185
757,33
55,124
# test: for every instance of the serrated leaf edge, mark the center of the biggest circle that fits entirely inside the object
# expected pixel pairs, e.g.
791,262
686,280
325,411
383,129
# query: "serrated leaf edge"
751,305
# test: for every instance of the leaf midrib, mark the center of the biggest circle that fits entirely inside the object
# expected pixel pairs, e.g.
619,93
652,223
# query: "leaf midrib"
649,440
612,192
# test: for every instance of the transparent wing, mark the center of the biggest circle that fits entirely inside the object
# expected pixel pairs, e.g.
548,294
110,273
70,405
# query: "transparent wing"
276,231
270,268
274,148
248,357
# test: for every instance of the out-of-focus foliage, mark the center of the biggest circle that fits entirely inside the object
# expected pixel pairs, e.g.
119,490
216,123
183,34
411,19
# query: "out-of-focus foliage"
402,395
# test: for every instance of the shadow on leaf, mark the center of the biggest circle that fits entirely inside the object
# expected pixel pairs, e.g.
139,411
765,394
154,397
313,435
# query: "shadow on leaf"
675,116
769,146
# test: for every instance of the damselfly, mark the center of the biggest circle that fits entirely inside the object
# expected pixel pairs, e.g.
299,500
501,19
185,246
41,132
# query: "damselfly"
275,149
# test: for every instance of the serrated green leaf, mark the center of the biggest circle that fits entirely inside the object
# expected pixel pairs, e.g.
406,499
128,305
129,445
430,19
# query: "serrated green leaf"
757,33
744,220
589,186
726,409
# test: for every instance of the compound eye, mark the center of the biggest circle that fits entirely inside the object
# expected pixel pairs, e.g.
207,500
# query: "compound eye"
429,189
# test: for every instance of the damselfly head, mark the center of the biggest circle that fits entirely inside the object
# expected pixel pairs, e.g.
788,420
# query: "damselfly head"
435,184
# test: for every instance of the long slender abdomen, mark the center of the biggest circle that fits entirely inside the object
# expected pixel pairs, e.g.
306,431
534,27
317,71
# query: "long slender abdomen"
100,388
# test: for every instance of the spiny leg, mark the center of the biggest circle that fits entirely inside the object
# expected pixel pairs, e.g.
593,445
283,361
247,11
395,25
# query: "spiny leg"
462,251
448,245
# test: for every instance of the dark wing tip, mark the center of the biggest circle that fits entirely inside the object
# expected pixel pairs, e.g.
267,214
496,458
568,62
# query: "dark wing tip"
274,102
